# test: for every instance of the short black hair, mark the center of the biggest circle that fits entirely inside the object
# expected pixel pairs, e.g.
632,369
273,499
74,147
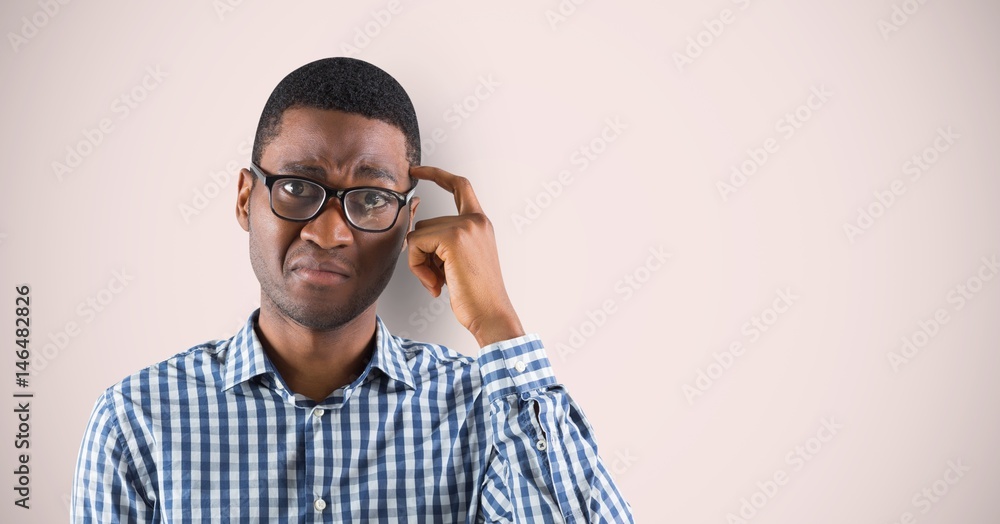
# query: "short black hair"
343,84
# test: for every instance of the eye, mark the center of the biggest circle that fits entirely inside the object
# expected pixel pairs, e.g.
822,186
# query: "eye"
367,205
297,189
293,187
374,200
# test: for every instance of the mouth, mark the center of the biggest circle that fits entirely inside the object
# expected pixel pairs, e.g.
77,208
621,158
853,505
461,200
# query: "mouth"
326,273
319,277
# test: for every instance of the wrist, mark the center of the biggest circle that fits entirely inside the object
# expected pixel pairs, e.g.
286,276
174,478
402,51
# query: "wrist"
498,329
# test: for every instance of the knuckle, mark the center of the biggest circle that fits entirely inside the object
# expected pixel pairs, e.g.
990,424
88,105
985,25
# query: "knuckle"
464,233
471,226
480,220
462,230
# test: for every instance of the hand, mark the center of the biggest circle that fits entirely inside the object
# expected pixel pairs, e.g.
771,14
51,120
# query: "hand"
460,251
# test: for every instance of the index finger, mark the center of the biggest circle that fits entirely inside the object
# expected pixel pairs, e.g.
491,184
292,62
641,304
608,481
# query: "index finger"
460,187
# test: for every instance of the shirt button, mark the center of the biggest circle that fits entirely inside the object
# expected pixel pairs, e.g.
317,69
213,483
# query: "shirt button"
541,445
318,412
320,504
520,366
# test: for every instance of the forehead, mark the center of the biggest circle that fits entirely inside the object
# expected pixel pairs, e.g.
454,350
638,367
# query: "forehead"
335,140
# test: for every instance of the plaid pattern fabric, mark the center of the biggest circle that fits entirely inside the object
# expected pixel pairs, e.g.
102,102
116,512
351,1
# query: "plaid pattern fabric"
424,434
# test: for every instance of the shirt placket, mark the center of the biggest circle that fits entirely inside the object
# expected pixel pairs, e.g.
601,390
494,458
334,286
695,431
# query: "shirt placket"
321,506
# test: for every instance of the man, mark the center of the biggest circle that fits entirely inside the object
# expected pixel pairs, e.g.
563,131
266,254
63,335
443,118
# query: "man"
314,412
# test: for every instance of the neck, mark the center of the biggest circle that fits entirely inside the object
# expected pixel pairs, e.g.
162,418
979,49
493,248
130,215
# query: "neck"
313,362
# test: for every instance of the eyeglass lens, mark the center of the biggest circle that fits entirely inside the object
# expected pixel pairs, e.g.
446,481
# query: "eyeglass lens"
365,208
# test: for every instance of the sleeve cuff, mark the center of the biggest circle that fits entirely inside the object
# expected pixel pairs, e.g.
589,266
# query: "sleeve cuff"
517,366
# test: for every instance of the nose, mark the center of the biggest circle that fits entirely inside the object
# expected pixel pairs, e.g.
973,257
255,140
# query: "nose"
329,229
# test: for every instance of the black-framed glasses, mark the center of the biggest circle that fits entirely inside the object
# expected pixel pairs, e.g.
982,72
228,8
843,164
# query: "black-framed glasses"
300,199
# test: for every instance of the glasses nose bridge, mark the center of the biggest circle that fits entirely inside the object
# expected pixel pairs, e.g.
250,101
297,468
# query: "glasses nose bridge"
329,231
333,194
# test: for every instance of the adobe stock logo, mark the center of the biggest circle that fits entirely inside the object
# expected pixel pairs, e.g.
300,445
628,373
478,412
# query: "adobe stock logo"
30,26
899,17
224,7
427,314
87,311
767,489
915,167
206,192
458,113
370,30
925,499
752,329
566,9
621,463
553,188
787,127
626,287
958,296
122,105
714,27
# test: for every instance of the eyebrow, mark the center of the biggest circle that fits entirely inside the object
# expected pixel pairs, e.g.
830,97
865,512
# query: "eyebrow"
306,170
375,173
364,171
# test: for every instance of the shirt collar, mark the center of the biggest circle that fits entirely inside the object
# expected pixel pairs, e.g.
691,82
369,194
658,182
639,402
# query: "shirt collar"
390,357
246,358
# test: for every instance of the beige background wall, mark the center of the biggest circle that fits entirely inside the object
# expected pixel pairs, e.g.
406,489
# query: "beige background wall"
696,407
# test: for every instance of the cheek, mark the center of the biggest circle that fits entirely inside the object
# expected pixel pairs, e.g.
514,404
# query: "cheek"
269,235
384,248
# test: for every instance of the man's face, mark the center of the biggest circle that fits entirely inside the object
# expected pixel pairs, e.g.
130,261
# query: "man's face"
324,273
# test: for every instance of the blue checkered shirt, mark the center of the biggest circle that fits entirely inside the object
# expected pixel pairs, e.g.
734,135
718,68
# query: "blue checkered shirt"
424,434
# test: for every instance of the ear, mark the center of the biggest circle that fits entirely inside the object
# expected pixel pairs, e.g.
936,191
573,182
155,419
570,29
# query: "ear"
243,198
414,202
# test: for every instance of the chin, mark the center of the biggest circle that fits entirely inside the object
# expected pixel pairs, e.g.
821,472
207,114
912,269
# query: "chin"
321,315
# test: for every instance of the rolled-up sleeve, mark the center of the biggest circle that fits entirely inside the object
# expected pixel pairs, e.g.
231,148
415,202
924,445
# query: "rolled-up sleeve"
544,464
